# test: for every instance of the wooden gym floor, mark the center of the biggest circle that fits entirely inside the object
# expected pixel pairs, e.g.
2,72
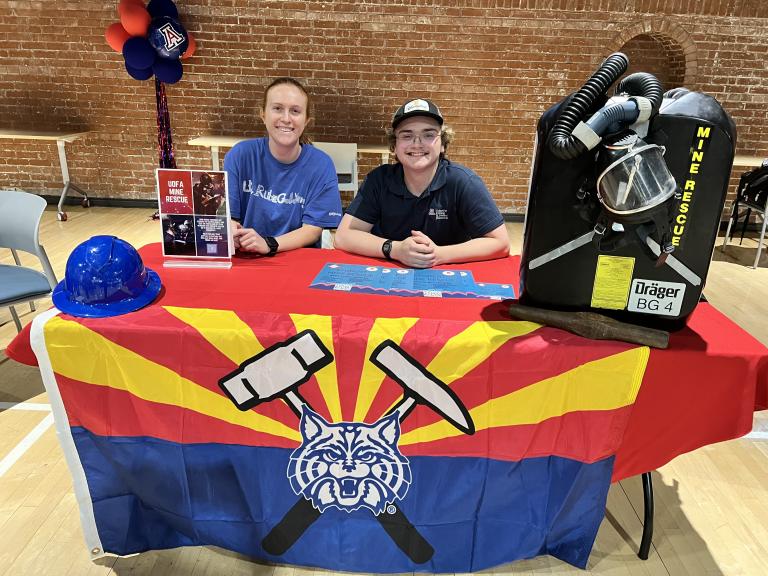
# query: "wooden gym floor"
711,504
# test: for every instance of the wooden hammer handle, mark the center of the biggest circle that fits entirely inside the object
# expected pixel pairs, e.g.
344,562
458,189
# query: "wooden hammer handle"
592,325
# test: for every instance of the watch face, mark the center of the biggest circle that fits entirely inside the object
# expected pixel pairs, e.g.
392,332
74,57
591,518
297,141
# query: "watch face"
272,243
387,248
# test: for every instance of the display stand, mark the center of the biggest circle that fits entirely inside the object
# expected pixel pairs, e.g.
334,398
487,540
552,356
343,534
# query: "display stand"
194,218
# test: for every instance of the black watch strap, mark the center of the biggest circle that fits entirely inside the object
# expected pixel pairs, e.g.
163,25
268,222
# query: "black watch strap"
386,249
272,244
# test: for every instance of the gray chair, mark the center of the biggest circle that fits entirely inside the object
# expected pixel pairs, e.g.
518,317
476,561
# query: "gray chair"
20,214
344,158
752,196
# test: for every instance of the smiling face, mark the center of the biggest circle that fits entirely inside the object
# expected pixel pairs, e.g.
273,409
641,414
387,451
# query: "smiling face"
418,144
285,116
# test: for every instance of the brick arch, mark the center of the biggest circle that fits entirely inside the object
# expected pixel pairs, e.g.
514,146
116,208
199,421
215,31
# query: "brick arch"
673,39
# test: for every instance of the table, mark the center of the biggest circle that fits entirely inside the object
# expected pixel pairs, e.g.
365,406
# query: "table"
748,161
61,139
171,461
215,142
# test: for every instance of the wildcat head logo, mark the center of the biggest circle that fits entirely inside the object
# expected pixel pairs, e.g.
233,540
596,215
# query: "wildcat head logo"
349,465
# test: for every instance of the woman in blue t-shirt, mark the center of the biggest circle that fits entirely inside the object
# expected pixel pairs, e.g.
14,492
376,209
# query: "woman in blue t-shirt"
282,191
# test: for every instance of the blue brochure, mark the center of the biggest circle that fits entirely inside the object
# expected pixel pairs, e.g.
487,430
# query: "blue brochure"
407,282
494,291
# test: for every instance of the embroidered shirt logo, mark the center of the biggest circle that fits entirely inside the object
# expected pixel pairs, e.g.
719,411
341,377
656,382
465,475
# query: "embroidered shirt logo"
438,213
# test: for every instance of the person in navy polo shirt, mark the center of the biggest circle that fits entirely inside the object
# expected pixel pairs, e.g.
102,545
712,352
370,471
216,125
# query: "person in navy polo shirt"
282,191
423,210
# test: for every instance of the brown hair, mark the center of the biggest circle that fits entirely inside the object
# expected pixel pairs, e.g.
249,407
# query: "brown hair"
446,137
304,138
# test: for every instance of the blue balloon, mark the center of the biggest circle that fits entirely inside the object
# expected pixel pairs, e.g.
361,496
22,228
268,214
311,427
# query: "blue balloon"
168,71
157,8
168,37
139,73
139,53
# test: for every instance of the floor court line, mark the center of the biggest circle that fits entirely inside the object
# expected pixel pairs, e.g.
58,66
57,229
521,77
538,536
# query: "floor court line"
25,406
25,444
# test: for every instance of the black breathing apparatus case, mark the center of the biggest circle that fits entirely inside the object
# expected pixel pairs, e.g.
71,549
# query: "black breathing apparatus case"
620,273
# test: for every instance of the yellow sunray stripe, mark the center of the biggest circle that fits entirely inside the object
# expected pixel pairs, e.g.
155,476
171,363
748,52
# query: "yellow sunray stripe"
473,346
223,329
326,377
603,384
469,348
370,380
100,362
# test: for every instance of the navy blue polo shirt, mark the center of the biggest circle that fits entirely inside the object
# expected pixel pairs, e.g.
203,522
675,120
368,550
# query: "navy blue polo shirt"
456,206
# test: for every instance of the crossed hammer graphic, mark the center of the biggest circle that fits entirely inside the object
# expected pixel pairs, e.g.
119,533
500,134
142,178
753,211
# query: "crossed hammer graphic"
278,371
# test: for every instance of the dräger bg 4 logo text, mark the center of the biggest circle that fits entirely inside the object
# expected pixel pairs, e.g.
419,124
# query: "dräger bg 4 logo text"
655,297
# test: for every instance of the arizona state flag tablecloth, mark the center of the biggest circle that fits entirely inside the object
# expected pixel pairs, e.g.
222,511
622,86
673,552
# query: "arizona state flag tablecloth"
345,442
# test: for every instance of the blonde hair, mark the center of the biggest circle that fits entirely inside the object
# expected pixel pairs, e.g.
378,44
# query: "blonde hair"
304,138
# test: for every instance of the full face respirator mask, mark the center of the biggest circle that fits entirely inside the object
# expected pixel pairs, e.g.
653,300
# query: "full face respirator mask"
637,192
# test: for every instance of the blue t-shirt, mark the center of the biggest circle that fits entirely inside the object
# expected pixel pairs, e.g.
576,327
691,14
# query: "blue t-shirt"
274,198
456,206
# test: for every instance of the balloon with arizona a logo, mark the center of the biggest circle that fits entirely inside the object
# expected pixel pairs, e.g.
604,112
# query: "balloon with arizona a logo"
168,37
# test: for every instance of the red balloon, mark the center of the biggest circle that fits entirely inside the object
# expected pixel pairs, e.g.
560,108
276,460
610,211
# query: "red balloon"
135,19
116,36
123,3
190,47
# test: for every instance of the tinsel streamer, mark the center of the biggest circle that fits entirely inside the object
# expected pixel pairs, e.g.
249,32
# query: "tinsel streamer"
164,138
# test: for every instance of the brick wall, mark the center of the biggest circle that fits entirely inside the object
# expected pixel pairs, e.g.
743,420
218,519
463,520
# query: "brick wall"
492,65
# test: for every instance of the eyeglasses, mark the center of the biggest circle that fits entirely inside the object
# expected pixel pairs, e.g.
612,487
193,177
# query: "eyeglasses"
426,137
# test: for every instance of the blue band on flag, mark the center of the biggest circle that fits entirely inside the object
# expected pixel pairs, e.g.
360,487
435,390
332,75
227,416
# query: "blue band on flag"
476,513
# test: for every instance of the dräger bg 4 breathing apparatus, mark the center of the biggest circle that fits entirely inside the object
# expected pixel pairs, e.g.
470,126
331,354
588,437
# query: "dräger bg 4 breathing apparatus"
625,199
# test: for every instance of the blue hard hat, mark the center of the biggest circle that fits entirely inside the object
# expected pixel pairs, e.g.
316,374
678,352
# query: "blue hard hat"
105,276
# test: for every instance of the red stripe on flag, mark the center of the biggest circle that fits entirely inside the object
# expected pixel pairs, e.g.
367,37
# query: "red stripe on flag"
350,338
518,363
583,436
163,339
110,412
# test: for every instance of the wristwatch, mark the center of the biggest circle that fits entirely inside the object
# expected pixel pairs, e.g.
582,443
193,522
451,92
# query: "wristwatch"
272,244
386,249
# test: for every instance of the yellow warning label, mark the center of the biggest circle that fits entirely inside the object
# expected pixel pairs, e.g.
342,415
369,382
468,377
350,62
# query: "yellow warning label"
613,278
